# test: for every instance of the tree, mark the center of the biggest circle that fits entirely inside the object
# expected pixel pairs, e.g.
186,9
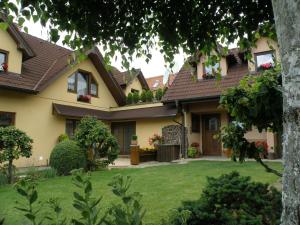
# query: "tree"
14,144
136,97
129,98
133,27
256,102
94,137
158,94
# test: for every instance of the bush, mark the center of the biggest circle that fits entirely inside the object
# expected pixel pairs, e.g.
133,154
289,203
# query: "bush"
158,94
136,97
67,156
232,199
3,179
143,96
62,137
192,152
129,98
149,96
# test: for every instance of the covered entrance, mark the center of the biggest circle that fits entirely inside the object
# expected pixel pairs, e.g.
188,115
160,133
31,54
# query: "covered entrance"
211,124
123,131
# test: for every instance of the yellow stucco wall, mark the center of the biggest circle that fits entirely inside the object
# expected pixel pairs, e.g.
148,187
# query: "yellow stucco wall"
146,128
34,112
134,84
7,43
262,45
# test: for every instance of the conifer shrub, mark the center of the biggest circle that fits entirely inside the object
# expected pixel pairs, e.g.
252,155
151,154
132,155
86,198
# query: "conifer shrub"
232,199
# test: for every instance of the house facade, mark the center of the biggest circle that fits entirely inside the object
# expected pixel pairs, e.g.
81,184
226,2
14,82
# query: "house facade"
197,99
44,93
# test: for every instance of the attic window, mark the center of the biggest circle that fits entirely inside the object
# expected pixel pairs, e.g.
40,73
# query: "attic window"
3,60
264,60
84,85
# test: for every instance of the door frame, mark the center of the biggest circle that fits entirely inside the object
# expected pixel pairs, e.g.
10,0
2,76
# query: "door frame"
123,124
203,117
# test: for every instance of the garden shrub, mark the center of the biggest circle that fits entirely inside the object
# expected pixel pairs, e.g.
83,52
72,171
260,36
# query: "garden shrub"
66,156
129,98
192,152
136,97
143,96
3,179
158,94
149,96
232,199
63,137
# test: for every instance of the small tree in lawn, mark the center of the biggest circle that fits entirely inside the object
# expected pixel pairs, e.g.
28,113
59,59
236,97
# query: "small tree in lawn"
14,144
95,138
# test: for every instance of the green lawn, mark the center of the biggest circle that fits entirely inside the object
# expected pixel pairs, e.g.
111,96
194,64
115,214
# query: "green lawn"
162,187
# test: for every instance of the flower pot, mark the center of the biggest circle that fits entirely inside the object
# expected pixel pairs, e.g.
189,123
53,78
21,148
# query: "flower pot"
134,142
228,152
134,155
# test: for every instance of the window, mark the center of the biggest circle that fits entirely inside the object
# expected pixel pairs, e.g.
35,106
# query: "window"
195,123
84,85
71,125
213,124
211,70
3,60
264,60
7,119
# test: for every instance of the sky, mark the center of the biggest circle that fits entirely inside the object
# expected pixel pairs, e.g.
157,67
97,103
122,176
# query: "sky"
155,67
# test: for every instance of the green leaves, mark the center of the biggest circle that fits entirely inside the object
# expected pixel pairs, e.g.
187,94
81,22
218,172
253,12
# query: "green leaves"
3,26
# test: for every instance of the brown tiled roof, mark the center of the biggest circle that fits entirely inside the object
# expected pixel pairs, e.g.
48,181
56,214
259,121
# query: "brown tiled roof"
124,78
184,87
152,81
51,61
142,113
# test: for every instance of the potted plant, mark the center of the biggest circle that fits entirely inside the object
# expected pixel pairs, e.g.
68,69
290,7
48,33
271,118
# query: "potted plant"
228,152
156,140
192,152
84,98
197,146
134,140
4,67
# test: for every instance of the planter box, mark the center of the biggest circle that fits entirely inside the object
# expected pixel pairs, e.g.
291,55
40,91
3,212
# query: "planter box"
168,153
147,156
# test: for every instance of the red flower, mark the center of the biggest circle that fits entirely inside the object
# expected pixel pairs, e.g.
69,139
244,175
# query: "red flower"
266,66
4,67
262,145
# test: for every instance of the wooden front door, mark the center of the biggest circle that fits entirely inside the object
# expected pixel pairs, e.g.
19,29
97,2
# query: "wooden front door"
211,126
123,131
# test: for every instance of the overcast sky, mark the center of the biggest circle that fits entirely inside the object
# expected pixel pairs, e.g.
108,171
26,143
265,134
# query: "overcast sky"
154,68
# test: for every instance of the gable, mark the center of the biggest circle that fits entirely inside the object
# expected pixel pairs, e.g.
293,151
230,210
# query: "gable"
58,88
134,84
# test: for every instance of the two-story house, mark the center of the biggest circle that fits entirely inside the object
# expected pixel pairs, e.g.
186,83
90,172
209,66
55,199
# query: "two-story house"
45,95
198,100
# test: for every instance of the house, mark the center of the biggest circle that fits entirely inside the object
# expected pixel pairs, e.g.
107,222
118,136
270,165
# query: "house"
157,82
197,100
44,93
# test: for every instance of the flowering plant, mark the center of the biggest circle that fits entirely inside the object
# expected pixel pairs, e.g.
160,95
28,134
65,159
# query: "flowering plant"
262,146
266,66
84,98
155,139
3,67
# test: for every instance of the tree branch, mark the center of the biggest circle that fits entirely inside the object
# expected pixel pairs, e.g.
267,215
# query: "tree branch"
268,169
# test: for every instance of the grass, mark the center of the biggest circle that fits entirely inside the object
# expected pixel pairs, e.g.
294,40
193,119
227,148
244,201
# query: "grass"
163,188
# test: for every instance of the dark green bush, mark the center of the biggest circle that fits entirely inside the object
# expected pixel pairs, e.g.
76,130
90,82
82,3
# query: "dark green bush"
129,98
235,200
67,156
149,96
158,94
135,97
143,96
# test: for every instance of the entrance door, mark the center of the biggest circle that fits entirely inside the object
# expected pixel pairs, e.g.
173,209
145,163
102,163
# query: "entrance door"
211,126
123,131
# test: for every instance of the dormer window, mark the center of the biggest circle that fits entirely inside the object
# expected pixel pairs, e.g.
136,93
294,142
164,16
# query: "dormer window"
84,85
210,72
3,60
264,60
